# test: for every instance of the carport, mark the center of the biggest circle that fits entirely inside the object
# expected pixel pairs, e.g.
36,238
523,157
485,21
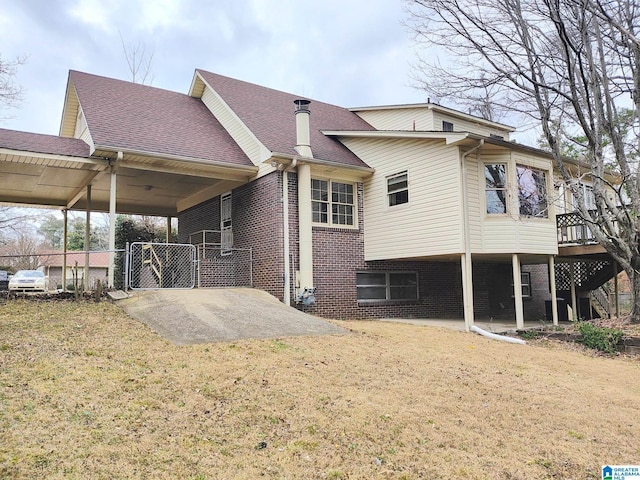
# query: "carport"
47,171
122,148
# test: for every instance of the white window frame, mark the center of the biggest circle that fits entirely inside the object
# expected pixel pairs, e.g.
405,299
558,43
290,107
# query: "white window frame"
540,213
449,125
503,188
330,203
525,281
393,192
387,286
226,225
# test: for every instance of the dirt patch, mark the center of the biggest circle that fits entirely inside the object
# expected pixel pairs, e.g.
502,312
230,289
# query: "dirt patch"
629,344
87,392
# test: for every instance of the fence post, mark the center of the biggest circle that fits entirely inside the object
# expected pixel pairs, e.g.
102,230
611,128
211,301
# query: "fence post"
126,267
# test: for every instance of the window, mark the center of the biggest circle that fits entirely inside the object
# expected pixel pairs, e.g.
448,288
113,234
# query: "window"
495,187
398,189
525,281
332,203
380,286
447,126
226,227
532,191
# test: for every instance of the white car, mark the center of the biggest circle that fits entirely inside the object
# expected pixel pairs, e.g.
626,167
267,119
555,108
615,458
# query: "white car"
31,280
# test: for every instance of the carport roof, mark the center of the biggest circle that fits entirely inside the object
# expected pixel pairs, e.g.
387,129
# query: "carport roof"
130,117
39,143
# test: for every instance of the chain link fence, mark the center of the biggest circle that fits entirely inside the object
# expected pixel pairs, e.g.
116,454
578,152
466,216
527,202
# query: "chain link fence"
162,265
224,267
70,271
139,266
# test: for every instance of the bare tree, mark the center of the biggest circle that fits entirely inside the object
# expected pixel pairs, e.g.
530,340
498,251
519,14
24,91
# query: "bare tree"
139,60
11,94
573,66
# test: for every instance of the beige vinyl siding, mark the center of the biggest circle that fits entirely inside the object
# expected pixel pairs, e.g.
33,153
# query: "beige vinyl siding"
429,224
462,125
510,232
399,119
247,141
82,130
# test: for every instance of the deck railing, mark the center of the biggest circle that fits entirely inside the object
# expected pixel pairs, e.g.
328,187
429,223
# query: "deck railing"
573,230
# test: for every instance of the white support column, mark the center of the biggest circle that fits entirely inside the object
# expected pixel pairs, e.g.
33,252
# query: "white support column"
517,291
616,296
64,249
552,287
467,290
305,278
574,301
87,241
112,228
286,295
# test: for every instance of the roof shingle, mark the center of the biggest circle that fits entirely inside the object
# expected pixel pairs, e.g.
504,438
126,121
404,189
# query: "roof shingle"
269,114
39,143
129,116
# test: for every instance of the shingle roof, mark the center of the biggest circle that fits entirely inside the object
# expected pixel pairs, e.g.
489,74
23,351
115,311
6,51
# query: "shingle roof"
269,114
39,143
130,116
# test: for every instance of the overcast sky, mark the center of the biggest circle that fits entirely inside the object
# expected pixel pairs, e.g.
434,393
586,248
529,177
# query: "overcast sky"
346,52
350,53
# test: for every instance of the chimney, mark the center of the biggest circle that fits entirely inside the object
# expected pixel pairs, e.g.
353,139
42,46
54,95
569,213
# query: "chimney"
303,142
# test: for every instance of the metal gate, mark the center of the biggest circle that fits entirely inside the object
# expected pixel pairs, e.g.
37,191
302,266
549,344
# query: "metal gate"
161,265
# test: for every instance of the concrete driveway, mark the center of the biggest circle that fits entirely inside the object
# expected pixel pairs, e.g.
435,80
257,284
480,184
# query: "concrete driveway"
201,315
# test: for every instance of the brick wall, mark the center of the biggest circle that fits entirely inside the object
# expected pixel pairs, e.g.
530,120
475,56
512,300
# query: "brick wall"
338,254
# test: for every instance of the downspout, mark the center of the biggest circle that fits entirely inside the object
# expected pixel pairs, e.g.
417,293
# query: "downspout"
467,271
285,229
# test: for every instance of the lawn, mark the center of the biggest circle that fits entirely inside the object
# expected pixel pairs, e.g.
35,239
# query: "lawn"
87,392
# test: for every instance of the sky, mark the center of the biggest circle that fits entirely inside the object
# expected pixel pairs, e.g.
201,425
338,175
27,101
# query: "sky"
345,52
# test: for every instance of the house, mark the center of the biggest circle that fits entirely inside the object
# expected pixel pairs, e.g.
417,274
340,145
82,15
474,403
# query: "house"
53,264
390,211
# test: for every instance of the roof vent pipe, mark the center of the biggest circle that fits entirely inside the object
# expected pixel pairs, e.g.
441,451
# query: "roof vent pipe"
303,137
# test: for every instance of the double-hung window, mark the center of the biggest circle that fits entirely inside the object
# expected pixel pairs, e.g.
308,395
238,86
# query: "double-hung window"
525,281
495,187
398,189
332,203
381,286
532,191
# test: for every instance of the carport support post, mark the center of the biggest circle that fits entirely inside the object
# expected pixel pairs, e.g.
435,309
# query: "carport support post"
87,241
64,249
112,228
168,236
517,291
552,286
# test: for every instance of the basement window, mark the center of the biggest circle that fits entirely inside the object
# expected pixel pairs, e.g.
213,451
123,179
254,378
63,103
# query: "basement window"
525,280
382,286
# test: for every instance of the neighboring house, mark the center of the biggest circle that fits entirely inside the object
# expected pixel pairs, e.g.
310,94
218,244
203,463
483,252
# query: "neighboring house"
53,262
392,211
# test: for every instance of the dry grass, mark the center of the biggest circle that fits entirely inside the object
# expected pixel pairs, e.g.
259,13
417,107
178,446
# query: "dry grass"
86,392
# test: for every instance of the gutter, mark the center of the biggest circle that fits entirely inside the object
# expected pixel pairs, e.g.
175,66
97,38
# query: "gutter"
180,158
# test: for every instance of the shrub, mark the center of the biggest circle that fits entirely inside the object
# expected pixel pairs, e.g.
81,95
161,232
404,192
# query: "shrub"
599,338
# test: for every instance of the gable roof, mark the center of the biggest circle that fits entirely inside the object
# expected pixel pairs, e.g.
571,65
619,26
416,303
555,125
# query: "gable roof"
269,114
39,143
126,116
